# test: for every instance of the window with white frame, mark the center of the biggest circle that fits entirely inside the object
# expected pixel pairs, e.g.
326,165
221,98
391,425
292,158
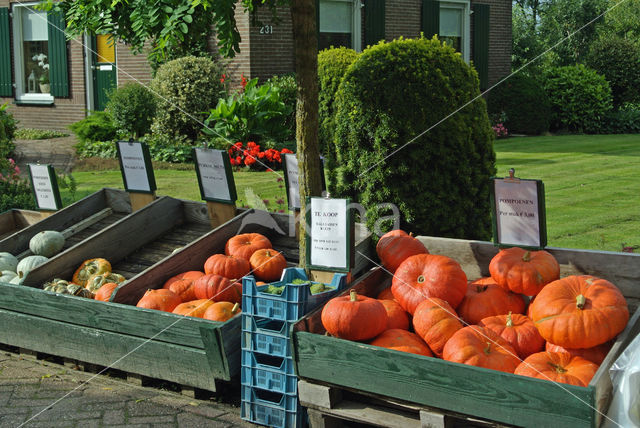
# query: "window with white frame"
455,26
340,24
31,53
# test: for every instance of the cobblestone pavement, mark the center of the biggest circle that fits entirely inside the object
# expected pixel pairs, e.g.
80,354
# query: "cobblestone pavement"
37,393
58,152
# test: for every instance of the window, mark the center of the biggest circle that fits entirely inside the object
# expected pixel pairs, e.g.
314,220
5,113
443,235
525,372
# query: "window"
454,26
340,22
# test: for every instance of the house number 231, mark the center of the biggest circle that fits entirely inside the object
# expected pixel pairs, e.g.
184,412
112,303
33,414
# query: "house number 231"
266,29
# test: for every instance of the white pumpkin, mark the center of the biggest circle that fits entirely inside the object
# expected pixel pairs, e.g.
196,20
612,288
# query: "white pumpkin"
29,263
8,262
7,275
17,280
47,243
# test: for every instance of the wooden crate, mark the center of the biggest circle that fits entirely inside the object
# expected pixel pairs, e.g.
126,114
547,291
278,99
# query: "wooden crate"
502,397
189,351
77,222
12,221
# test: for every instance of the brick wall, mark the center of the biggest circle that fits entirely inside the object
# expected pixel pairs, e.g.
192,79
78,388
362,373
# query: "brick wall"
132,68
272,53
500,38
402,18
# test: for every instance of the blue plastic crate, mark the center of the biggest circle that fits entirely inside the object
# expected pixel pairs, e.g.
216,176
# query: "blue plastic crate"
266,336
295,301
269,373
276,410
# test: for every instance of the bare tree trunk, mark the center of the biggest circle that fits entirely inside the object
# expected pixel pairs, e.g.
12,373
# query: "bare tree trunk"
303,15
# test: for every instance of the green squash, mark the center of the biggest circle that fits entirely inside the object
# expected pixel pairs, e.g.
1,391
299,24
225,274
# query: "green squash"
96,281
8,262
47,243
29,263
61,286
7,275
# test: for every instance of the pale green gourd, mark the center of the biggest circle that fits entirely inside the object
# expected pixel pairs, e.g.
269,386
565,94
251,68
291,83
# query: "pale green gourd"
47,243
29,263
7,275
8,262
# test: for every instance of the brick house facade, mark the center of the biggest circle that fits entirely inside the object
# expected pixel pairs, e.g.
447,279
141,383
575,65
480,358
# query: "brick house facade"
480,29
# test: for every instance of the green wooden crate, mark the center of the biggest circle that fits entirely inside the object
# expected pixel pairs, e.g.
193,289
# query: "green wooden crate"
12,221
482,393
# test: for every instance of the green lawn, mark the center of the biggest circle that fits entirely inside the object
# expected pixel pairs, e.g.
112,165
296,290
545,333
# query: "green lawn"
592,185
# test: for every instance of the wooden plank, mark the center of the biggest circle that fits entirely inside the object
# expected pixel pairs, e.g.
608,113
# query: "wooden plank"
147,357
118,200
196,212
141,200
25,218
87,222
220,213
313,394
8,224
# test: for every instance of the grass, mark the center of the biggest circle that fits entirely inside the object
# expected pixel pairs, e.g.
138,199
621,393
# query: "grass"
591,186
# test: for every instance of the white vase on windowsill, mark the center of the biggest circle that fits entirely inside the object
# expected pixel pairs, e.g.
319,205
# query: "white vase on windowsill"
45,88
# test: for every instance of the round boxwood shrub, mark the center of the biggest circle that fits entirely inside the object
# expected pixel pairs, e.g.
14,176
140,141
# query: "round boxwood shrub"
332,65
580,97
618,60
8,126
132,108
438,179
523,102
187,89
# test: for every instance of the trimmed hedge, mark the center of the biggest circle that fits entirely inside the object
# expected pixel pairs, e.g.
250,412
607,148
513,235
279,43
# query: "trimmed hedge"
132,108
388,98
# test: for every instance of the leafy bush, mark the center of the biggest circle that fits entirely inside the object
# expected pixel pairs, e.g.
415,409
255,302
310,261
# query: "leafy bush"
388,97
97,149
618,60
257,114
96,127
187,87
132,108
524,103
580,97
7,132
14,192
38,134
332,65
625,120
169,149
288,89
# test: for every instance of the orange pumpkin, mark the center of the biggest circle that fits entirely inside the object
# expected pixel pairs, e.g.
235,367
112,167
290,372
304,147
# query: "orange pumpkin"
596,355
428,275
354,317
396,316
481,347
221,311
402,340
192,275
184,289
518,330
435,321
522,271
485,298
558,367
194,308
244,245
228,266
267,264
580,311
89,268
386,294
104,293
396,246
161,299
217,288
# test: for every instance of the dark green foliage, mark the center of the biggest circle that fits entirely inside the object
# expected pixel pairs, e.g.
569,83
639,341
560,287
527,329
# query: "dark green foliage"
98,149
332,65
389,97
15,194
618,60
169,149
96,127
625,120
132,108
288,89
187,88
524,103
7,132
580,97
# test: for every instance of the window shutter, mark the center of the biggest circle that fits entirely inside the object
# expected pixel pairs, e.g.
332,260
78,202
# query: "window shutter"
481,43
6,87
374,22
318,22
58,69
430,23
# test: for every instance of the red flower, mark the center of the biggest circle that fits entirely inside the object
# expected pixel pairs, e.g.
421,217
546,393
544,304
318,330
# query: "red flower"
238,160
243,81
224,76
249,161
285,151
233,161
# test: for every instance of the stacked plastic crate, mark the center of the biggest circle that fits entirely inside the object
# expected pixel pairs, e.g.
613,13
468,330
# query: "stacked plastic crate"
269,383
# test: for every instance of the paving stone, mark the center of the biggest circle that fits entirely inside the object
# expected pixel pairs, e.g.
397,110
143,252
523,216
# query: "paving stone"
88,423
190,420
112,417
151,419
12,420
144,408
205,410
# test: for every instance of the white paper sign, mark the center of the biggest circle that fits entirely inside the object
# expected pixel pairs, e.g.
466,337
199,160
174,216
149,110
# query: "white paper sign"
329,233
213,176
293,186
133,166
517,214
43,187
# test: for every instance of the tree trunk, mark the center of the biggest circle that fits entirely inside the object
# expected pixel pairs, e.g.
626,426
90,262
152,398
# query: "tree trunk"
303,16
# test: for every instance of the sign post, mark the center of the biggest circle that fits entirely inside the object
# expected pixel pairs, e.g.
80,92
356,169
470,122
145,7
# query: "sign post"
217,185
137,173
518,212
44,185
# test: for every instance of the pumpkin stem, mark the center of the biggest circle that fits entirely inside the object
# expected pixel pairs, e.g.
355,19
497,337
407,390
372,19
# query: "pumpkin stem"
481,288
235,308
527,256
411,234
487,350
353,296
558,368
509,320
421,279
581,301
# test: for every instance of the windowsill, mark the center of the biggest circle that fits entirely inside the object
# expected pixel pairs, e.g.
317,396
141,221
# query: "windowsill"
34,101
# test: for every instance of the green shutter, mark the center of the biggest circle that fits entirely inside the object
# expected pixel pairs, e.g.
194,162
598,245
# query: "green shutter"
6,87
481,42
58,69
374,22
318,22
430,23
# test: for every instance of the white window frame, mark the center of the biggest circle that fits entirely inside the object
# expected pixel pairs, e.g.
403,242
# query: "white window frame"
356,24
18,57
465,6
